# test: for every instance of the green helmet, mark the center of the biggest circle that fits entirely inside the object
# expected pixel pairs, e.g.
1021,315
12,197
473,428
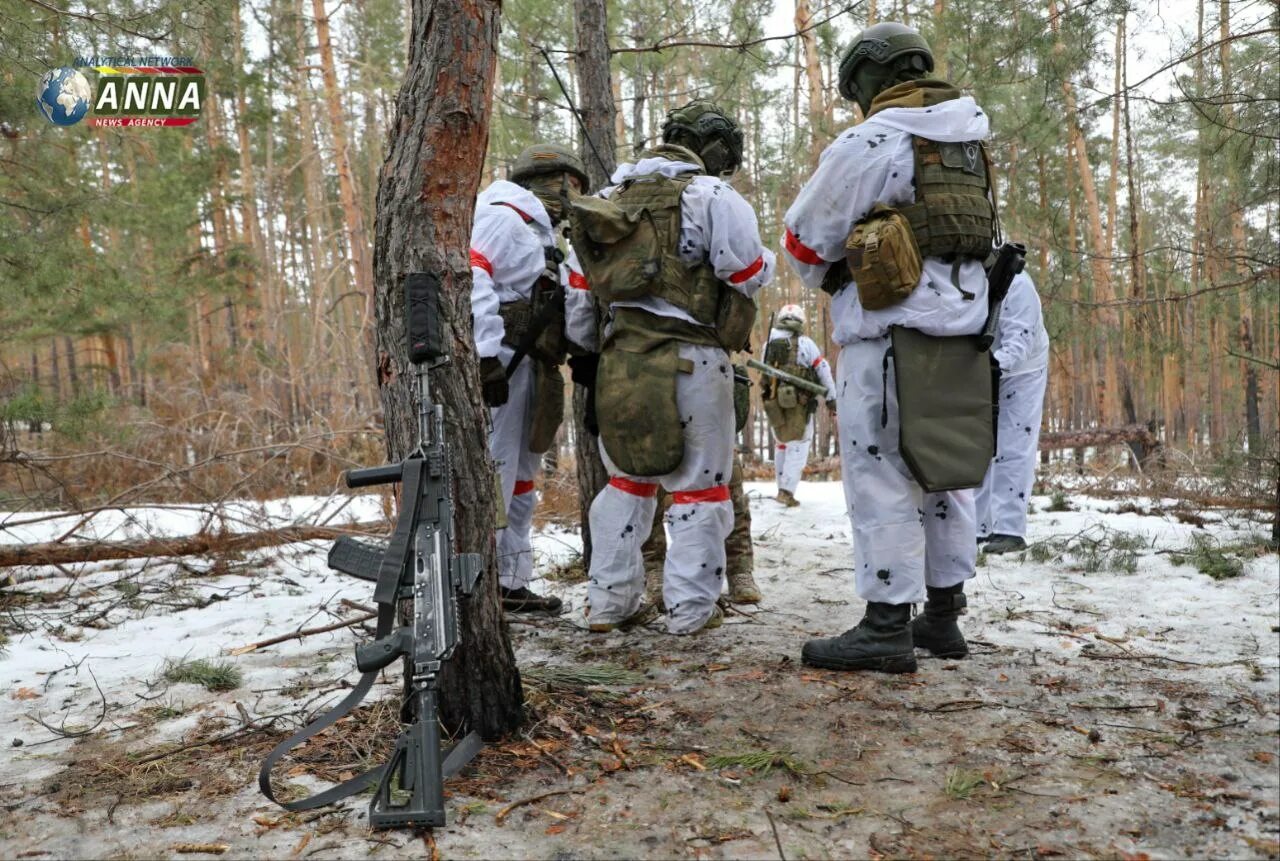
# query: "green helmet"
545,158
709,132
882,55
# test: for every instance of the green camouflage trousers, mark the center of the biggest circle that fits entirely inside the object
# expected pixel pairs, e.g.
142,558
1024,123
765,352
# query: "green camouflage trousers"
738,553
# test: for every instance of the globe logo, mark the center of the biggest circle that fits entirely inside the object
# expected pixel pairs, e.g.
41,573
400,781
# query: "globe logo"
63,96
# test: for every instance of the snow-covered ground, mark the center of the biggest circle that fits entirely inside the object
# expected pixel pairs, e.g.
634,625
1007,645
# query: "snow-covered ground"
1107,626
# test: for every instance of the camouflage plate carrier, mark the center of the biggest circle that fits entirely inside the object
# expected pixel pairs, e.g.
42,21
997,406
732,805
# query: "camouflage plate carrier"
787,407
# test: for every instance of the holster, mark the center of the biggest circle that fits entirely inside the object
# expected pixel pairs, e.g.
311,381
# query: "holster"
548,406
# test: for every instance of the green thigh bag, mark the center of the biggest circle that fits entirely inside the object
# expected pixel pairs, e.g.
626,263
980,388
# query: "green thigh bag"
946,431
548,406
788,424
636,408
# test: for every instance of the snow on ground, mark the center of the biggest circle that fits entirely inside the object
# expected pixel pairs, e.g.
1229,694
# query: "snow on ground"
1174,673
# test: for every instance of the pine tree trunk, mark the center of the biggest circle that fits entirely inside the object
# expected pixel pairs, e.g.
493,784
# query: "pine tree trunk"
352,215
813,75
424,209
597,146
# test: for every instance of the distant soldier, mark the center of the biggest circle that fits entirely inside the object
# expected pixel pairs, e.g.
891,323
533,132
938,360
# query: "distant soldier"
1022,350
791,410
517,306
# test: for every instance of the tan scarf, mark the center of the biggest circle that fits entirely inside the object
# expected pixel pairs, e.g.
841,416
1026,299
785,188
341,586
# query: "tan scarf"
924,93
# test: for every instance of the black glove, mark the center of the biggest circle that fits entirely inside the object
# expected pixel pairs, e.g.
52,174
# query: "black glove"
831,405
582,369
493,381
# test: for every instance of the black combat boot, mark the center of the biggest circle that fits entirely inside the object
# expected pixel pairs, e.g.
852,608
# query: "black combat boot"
881,642
935,629
1004,544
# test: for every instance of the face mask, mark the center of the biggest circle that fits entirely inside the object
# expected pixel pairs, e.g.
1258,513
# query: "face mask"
548,188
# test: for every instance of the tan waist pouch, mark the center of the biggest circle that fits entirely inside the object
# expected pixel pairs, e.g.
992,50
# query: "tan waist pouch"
883,257
788,423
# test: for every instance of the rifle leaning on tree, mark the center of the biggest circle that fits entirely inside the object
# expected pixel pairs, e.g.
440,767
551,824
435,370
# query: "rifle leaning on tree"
418,564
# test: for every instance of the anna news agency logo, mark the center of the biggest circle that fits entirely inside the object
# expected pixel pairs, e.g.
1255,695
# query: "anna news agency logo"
131,91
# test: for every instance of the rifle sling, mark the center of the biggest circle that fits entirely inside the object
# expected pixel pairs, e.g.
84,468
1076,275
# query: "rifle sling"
388,582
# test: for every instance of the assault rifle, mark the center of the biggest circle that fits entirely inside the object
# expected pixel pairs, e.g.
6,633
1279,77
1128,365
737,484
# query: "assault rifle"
418,564
1010,259
791,379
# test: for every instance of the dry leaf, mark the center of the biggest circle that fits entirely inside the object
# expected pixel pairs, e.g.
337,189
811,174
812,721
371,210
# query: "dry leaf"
1264,757
555,815
555,829
784,793
25,694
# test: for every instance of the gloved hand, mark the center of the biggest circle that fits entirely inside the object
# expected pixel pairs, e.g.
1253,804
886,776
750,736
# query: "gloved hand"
831,405
493,381
582,369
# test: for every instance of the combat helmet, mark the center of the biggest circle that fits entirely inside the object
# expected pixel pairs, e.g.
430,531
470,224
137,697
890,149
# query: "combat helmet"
882,55
791,318
545,158
707,130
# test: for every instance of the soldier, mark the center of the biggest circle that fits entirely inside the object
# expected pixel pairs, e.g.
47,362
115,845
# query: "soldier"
791,411
914,169
673,256
517,306
1022,351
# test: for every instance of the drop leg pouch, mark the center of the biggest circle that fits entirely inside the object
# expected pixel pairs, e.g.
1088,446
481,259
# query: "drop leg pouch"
548,406
945,396
636,406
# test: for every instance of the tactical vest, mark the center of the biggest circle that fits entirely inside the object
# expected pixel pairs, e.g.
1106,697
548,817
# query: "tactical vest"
628,245
953,215
784,354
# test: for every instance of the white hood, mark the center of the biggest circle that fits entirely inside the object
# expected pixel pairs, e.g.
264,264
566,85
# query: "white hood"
518,196
646,166
951,121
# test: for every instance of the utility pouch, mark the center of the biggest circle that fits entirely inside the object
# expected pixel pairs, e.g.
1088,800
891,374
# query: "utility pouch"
735,316
636,408
515,321
619,249
787,398
548,406
883,258
946,431
551,345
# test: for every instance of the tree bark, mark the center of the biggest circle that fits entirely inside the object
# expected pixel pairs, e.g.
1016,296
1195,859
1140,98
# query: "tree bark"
426,194
598,146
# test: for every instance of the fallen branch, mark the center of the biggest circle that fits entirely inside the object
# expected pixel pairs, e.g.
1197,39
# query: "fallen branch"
299,634
502,814
1054,440
55,553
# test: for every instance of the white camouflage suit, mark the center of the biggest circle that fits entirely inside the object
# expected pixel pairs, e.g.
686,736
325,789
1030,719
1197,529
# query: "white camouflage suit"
903,538
508,241
1022,349
789,458
719,227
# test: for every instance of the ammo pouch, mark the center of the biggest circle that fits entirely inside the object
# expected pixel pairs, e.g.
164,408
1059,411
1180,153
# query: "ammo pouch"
883,258
618,248
946,430
735,316
550,345
515,321
636,404
548,406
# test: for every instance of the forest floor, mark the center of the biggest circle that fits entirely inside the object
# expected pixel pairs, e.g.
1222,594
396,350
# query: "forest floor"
1121,701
